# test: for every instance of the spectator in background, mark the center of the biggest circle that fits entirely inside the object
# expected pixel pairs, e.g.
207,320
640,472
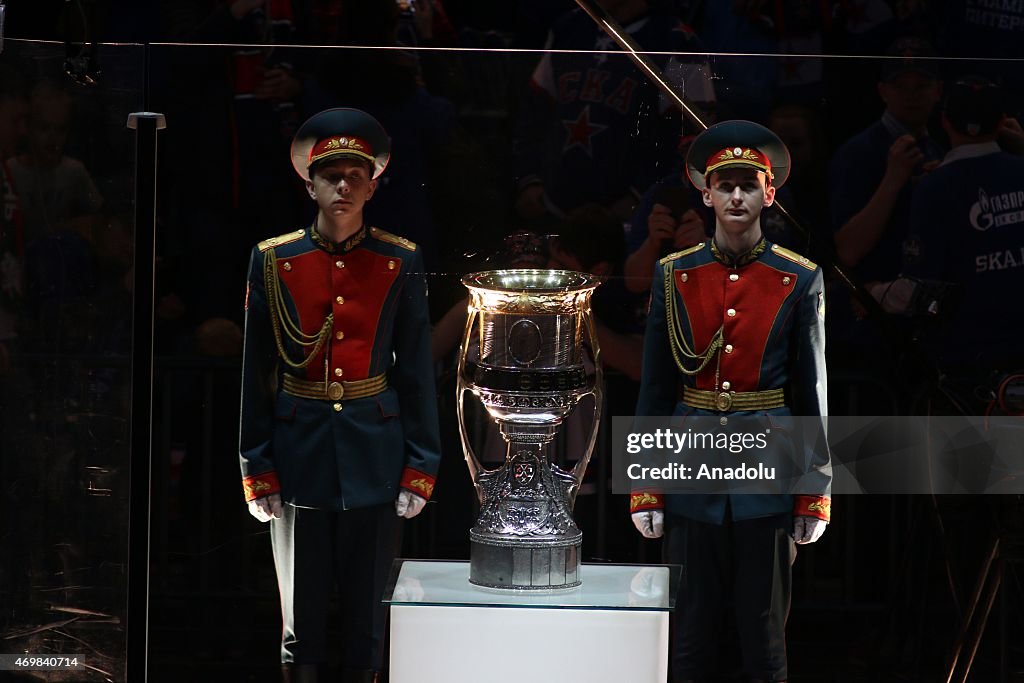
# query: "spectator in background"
60,205
594,129
792,32
56,191
967,220
871,175
871,181
670,217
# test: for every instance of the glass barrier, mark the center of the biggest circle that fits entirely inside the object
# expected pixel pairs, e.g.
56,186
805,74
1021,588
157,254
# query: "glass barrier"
65,347
525,140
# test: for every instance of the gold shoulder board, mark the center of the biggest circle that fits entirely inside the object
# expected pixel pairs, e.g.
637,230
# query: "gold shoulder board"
794,257
679,254
385,236
281,239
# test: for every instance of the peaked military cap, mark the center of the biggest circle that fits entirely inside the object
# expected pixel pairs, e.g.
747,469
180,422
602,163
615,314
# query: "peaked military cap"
340,134
737,143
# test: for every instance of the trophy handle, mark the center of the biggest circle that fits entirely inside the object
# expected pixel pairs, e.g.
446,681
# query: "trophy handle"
461,387
597,391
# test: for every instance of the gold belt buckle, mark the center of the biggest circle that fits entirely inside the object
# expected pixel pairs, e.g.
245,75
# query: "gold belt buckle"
724,401
335,391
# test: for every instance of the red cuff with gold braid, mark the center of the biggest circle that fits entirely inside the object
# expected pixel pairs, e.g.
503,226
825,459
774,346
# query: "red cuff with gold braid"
419,483
645,500
260,485
813,506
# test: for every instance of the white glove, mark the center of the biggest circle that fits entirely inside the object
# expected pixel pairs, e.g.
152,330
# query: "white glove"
408,504
808,529
267,508
650,523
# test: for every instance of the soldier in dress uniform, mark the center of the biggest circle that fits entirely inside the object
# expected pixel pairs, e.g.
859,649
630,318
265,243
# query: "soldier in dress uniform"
339,428
736,328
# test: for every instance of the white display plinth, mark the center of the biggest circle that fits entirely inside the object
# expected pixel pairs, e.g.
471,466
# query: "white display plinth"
614,627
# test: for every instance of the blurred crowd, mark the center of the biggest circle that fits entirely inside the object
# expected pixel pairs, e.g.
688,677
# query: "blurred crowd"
570,140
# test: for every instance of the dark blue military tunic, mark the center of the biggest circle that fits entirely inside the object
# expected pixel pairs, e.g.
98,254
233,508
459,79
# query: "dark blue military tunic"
770,307
358,420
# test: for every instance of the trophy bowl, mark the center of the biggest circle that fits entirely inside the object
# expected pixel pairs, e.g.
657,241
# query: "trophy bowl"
522,356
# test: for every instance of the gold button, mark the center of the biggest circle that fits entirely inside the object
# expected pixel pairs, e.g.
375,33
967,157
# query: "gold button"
337,372
785,280
287,265
734,277
391,265
339,335
728,348
340,300
726,385
339,264
731,312
337,407
723,420
684,277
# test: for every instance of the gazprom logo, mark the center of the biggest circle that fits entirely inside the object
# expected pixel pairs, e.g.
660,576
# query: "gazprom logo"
997,210
981,217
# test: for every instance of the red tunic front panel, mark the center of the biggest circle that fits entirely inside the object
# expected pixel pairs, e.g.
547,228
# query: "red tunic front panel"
746,303
352,286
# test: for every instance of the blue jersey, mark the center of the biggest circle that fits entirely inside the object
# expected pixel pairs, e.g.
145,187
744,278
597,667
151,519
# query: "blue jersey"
594,128
968,228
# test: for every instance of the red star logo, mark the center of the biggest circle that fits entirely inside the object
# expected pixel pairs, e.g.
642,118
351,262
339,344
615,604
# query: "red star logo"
580,131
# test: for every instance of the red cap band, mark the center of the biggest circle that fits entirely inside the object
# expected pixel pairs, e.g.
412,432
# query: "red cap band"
738,156
341,145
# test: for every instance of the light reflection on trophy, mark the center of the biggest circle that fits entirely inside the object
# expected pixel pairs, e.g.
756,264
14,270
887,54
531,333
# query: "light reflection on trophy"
528,372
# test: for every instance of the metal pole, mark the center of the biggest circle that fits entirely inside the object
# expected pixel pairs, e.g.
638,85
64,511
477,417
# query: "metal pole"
145,125
968,617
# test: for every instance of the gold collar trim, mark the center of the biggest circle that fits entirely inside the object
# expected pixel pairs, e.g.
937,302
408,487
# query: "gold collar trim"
742,259
337,247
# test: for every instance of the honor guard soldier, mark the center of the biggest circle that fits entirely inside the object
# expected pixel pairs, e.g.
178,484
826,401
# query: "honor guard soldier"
339,428
736,328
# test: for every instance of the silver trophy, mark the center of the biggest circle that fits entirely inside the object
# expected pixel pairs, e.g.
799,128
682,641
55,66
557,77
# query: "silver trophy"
527,370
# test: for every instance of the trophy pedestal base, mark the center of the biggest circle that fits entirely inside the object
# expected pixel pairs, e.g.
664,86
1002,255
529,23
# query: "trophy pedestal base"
522,564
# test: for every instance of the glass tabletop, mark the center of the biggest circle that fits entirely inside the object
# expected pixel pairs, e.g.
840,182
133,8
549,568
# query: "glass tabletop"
633,587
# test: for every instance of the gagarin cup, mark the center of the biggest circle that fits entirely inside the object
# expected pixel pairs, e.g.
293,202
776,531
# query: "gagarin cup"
522,355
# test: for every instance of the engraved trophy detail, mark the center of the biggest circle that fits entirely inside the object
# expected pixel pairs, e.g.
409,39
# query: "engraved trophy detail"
522,356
